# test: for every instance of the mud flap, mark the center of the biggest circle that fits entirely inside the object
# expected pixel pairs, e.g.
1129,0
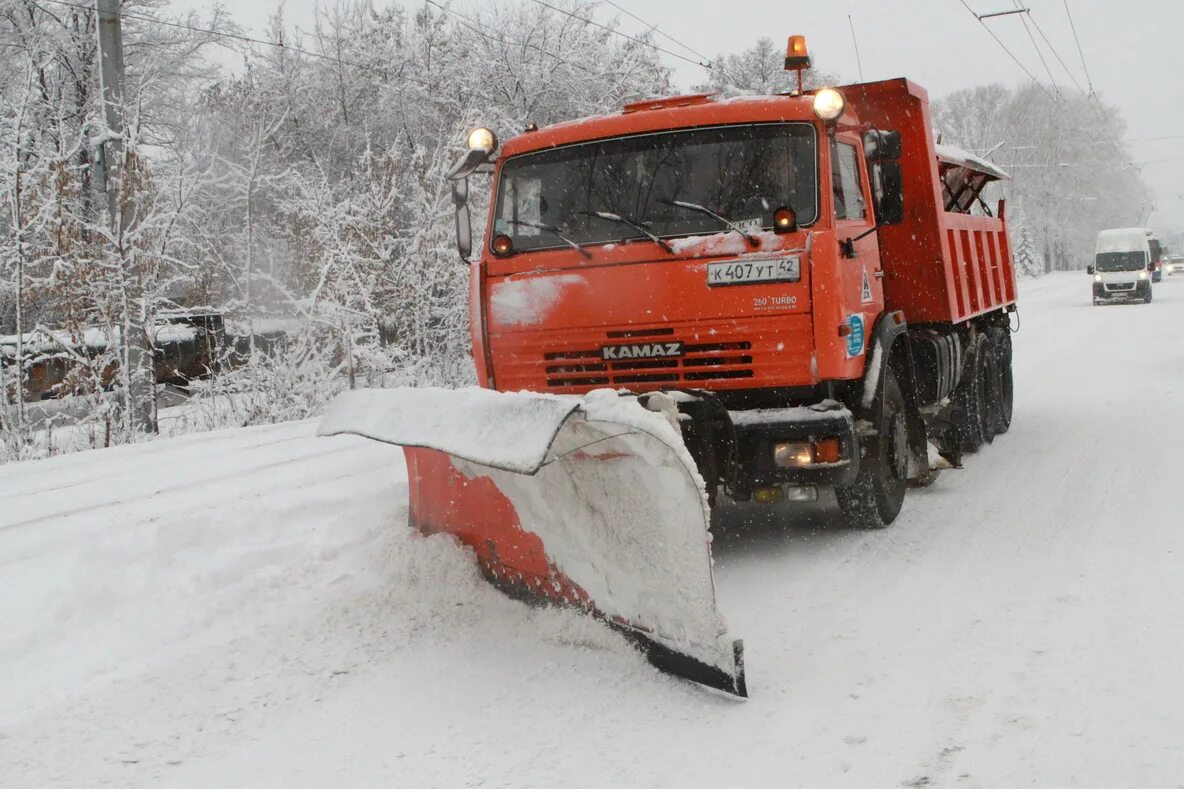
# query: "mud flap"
592,502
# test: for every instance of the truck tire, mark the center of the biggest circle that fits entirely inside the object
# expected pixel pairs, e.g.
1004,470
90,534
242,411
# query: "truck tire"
968,401
992,396
1001,342
1147,296
874,500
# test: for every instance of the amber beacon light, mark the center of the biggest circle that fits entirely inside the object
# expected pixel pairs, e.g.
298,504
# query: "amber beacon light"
797,57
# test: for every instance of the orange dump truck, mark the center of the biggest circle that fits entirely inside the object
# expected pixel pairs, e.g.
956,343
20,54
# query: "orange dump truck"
805,288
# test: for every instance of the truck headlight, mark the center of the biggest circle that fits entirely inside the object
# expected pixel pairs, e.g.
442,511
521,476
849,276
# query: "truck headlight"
793,453
1097,277
1142,275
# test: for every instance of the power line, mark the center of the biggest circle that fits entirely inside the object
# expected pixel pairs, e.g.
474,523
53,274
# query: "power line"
1095,104
1080,53
641,41
475,26
1054,52
1151,139
655,28
1098,110
1010,54
1035,46
705,62
235,36
1157,161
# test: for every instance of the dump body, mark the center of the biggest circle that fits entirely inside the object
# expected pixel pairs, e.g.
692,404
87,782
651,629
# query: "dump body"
941,264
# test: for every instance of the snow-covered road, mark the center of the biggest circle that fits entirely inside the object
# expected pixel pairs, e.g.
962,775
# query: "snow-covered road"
245,608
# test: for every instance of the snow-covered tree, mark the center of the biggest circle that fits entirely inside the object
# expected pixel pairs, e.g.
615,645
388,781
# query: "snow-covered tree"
1069,171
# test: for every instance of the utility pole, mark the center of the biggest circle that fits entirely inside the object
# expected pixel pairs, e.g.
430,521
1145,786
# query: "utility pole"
138,375
111,86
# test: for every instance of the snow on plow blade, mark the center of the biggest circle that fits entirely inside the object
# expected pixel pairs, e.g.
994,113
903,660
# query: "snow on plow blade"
590,501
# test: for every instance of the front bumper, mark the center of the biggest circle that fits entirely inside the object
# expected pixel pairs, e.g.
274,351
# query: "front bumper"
1109,290
758,430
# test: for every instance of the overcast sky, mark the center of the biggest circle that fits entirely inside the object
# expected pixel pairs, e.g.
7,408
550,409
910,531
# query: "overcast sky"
1133,50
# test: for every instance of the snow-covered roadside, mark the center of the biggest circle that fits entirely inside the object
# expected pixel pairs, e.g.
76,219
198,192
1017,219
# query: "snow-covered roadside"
244,608
175,598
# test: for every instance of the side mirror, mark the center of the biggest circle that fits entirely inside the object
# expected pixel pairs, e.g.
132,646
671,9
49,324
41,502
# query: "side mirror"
1151,267
889,193
1090,269
464,225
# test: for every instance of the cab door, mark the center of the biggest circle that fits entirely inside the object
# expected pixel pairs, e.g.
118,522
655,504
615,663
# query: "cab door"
860,274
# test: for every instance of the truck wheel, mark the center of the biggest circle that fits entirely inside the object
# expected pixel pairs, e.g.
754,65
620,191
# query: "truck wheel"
1147,296
1001,341
874,500
967,407
992,397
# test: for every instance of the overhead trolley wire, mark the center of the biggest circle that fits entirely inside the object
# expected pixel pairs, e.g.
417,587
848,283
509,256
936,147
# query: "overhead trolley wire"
1080,53
1024,21
1010,54
615,32
658,30
474,26
1054,52
1095,104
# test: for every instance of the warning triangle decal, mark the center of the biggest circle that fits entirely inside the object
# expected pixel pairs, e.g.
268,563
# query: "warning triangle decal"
865,291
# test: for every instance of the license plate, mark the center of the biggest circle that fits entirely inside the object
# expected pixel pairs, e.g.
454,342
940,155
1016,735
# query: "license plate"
743,272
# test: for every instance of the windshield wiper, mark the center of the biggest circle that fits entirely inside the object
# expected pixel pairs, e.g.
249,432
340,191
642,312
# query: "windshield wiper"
554,231
702,209
624,220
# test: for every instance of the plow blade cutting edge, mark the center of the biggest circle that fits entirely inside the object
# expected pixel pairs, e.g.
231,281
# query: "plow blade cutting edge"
589,501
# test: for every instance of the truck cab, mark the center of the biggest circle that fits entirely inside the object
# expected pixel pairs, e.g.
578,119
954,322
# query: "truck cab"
1122,267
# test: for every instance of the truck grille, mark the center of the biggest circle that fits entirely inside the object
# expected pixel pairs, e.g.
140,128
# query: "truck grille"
699,364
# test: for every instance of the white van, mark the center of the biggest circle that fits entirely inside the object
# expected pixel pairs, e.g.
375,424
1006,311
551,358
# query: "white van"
1121,266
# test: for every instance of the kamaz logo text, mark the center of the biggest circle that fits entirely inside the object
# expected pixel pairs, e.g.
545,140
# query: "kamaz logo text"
647,350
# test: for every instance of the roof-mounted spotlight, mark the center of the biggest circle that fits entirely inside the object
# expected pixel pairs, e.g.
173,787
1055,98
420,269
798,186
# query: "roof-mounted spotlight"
829,104
482,139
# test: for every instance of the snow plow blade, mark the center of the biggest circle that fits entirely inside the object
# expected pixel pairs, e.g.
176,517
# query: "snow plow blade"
587,501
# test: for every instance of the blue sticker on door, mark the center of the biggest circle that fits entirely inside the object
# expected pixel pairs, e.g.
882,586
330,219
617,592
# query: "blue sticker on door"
855,338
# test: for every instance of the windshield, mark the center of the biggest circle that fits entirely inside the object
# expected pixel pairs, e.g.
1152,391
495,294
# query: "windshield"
1121,261
742,173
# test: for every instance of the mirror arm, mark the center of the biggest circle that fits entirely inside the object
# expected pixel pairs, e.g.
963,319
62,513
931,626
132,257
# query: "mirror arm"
867,232
847,246
472,159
